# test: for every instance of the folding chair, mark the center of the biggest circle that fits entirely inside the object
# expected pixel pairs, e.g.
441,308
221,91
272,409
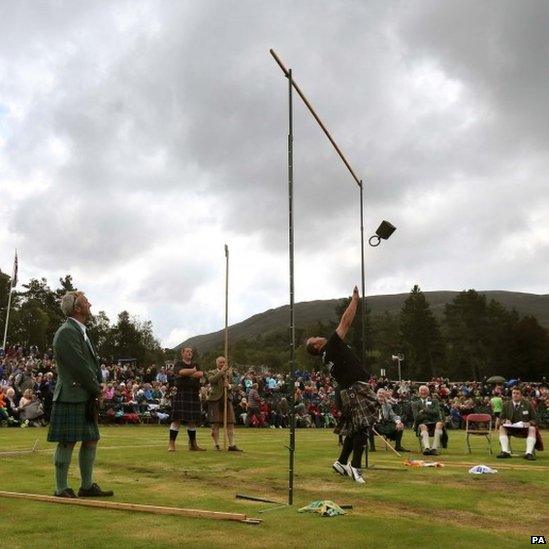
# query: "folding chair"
478,425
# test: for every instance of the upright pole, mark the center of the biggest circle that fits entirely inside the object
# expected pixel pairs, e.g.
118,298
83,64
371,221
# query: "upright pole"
7,317
363,301
291,254
363,278
225,395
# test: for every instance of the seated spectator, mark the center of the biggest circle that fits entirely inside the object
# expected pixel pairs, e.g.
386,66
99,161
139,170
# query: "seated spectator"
242,411
428,421
11,405
389,424
518,410
30,408
3,409
108,392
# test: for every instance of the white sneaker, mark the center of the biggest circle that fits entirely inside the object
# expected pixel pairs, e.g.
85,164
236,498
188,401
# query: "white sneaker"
341,469
356,475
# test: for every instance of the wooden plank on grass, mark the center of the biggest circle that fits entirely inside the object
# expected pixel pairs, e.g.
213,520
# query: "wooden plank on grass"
120,506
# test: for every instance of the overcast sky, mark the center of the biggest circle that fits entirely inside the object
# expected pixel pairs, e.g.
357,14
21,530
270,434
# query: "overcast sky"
137,138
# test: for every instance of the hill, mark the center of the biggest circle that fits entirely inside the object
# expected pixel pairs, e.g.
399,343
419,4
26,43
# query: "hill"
310,312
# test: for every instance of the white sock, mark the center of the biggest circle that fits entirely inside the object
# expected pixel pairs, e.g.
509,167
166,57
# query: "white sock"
438,434
425,439
530,443
504,441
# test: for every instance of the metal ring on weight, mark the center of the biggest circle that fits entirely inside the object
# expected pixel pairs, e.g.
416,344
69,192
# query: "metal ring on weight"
372,238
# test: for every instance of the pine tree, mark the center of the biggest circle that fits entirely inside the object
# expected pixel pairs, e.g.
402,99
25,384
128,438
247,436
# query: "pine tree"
467,333
420,338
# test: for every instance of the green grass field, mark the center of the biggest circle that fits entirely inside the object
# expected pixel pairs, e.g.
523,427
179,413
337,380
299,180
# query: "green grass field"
396,508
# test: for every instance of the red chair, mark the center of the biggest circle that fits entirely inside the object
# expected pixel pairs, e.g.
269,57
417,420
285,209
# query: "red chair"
478,425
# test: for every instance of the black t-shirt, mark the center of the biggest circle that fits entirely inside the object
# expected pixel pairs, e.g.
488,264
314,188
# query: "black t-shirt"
344,365
186,381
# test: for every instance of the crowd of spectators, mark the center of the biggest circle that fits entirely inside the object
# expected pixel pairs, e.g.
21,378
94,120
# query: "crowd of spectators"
133,394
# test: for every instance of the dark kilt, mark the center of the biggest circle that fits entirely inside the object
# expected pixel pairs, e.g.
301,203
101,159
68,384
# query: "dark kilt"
68,423
215,411
430,428
431,432
186,405
359,409
523,433
387,429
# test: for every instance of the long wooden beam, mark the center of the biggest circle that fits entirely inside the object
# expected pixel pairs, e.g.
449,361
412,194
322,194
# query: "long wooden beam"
120,506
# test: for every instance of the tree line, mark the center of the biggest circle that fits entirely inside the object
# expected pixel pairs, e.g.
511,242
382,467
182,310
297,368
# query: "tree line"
35,315
474,338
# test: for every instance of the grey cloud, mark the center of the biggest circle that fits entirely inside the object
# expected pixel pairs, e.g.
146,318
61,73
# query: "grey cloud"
181,105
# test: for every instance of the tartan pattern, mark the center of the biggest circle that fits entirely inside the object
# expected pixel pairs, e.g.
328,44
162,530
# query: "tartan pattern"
359,410
386,428
186,405
523,433
68,423
215,411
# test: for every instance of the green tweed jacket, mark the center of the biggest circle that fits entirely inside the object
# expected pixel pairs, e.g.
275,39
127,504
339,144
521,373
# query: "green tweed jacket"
78,372
523,412
217,385
428,412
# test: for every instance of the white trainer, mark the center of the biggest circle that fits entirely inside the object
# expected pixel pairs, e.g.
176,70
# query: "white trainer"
341,469
356,475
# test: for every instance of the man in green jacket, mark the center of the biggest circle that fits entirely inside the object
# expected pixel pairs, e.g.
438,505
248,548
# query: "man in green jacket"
518,419
428,421
75,399
219,381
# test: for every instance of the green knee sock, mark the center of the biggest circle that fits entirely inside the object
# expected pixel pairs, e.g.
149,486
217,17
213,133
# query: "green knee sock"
86,458
62,460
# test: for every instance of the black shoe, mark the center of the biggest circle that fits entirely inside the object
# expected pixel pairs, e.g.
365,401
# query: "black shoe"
434,452
66,493
503,455
216,446
234,448
401,449
94,492
427,452
530,457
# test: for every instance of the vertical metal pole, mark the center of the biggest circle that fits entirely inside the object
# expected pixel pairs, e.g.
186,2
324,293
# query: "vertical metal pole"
291,250
225,395
399,371
363,278
363,300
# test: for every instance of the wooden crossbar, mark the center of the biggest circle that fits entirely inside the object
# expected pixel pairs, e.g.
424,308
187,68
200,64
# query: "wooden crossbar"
120,506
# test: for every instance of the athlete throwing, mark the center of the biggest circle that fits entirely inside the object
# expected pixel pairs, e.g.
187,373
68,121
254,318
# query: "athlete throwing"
354,396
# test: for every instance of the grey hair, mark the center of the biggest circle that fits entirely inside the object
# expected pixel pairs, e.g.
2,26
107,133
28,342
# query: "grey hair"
68,301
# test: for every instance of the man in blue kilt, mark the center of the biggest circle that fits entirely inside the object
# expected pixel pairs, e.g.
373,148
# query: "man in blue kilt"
354,396
75,407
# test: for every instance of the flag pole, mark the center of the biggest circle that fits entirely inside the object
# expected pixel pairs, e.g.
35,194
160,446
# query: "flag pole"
13,283
225,395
